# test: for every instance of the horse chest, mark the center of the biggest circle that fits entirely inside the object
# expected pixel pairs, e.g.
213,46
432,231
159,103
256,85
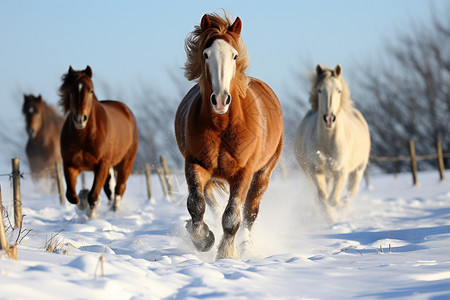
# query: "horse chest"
225,153
328,160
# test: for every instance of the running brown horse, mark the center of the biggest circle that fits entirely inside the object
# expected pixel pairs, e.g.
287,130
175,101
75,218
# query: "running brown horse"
43,125
96,136
229,129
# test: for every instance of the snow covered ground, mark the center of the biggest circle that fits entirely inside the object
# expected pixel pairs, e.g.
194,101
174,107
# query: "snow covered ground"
144,252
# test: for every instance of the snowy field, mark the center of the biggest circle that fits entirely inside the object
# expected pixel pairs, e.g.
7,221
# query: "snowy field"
144,252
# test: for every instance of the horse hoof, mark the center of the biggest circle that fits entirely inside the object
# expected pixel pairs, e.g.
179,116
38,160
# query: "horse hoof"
83,199
202,238
73,200
227,250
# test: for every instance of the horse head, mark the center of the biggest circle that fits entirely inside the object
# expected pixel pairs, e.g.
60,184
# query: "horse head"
329,91
81,96
220,57
32,109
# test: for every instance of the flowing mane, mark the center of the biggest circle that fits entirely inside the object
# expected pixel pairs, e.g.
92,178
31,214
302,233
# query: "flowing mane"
68,79
316,80
198,40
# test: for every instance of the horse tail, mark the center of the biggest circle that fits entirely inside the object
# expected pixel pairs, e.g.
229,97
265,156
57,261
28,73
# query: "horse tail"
221,187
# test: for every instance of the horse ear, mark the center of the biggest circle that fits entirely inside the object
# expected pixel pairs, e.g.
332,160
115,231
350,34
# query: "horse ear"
237,26
88,71
71,70
338,71
39,98
205,23
319,69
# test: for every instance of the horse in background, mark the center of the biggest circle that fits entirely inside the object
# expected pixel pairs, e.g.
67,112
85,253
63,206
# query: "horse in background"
229,129
43,125
332,143
97,136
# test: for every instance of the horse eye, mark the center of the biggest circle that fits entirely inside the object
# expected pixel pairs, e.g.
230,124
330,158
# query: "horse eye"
235,57
339,91
92,91
319,91
205,55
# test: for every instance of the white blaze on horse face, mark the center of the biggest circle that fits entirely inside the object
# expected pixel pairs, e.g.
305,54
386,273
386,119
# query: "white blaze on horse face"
330,100
220,60
80,107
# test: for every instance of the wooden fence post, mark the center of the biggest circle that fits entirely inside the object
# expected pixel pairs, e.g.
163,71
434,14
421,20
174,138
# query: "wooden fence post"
149,184
440,157
3,242
167,175
16,192
412,150
161,178
60,184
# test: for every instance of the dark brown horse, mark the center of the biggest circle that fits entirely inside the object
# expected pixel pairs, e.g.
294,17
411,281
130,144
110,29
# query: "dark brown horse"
229,128
96,136
43,125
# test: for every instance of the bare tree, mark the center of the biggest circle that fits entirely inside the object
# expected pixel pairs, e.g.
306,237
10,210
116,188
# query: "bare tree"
407,95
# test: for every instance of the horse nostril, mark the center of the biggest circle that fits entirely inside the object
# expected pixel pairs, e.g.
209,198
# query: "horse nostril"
213,99
228,100
329,118
75,118
84,118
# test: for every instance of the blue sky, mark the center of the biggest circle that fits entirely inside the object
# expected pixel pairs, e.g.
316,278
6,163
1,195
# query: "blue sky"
134,43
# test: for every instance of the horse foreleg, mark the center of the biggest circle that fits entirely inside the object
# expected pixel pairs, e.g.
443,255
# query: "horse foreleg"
201,236
320,182
353,183
231,219
340,180
71,174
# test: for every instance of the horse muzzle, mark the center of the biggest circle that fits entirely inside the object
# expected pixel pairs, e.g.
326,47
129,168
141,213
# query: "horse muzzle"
31,132
80,121
329,119
220,104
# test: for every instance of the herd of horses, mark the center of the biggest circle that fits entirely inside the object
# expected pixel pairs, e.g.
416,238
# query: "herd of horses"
229,129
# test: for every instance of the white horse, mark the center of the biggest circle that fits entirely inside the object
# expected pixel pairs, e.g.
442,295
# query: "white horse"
332,143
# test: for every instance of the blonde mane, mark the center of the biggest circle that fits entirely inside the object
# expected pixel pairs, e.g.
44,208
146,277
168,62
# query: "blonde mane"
317,79
198,40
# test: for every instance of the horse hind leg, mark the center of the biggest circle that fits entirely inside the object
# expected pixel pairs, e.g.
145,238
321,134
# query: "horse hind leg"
353,184
109,186
340,179
122,172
